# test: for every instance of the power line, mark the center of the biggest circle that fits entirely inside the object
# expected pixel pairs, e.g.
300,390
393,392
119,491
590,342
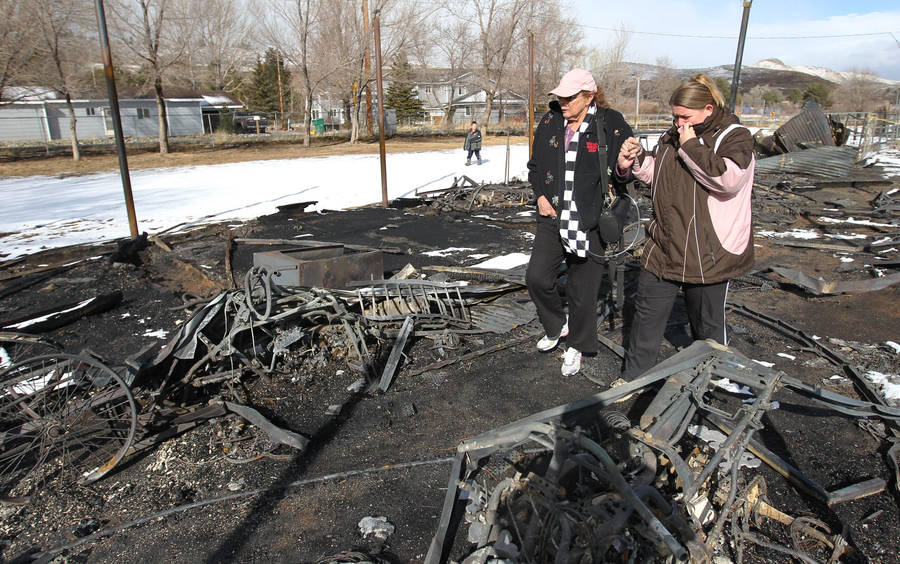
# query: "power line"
662,34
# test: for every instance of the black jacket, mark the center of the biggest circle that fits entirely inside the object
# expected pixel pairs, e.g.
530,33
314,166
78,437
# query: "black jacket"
547,166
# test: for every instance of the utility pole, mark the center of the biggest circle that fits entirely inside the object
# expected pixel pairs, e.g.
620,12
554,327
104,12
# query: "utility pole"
384,192
368,69
117,119
280,91
637,101
736,78
530,91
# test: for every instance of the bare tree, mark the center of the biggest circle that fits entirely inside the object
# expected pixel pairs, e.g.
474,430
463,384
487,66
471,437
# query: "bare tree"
499,25
608,65
292,27
455,44
664,81
343,38
557,48
17,44
217,32
859,93
143,27
61,43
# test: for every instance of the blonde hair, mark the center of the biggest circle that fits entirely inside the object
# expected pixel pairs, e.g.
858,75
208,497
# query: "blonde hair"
696,92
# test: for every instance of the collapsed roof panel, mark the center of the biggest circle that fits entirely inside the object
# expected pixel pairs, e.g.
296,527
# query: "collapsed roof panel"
808,128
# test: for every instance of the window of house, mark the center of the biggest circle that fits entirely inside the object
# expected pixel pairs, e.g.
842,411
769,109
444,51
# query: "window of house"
90,111
143,113
316,114
461,91
428,89
468,111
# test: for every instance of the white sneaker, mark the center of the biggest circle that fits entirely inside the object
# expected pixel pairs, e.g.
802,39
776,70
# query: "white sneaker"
548,343
571,362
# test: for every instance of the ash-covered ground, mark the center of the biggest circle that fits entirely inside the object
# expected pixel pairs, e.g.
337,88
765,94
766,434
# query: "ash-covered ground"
224,491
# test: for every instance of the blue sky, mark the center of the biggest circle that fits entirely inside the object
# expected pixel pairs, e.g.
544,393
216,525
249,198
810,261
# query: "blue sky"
776,29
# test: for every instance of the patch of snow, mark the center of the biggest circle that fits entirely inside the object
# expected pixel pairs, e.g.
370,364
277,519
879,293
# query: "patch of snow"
505,262
447,251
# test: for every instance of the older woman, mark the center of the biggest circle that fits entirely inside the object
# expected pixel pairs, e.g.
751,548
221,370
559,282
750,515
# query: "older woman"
701,178
575,148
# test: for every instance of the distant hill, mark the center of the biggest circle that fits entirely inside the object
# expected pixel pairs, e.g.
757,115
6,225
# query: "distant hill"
768,72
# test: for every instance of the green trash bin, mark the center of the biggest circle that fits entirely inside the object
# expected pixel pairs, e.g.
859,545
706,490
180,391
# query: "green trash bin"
319,125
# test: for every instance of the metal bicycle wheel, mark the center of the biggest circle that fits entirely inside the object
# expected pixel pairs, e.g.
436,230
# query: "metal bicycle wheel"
15,347
63,419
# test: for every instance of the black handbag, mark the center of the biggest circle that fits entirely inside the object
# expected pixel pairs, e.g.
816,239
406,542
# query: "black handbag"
615,207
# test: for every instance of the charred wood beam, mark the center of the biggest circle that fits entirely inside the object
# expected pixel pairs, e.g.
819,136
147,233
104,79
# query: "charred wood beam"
396,352
275,433
819,286
60,316
308,243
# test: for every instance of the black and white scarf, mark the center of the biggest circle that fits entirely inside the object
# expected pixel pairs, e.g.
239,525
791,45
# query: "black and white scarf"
574,239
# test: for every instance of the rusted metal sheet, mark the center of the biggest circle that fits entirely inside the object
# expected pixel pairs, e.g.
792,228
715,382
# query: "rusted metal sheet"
828,162
808,128
322,267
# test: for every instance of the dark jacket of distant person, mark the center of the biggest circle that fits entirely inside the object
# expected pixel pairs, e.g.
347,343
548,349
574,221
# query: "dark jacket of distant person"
473,140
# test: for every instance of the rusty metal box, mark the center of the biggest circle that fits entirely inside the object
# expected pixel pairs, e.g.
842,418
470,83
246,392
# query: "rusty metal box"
331,266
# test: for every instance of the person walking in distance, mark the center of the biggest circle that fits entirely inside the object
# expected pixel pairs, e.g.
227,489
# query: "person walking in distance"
575,148
701,177
473,143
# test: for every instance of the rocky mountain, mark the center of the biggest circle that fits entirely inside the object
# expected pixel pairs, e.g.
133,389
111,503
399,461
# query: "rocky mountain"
770,72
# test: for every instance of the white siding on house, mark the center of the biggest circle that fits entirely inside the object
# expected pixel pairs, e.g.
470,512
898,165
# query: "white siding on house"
50,119
22,121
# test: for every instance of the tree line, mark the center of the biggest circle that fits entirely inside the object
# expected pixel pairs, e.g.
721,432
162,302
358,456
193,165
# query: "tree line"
275,54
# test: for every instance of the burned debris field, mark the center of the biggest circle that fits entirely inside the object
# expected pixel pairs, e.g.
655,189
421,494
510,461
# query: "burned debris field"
348,386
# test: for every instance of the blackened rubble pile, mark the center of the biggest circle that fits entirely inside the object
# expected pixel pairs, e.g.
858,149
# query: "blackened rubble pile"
669,467
581,482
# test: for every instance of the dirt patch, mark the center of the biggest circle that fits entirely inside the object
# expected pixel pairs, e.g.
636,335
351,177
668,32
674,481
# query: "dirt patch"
65,166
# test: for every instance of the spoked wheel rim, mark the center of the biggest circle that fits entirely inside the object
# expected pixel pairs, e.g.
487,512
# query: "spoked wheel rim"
63,418
16,347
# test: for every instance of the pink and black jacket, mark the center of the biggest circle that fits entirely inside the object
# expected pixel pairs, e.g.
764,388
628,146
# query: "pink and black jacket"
701,229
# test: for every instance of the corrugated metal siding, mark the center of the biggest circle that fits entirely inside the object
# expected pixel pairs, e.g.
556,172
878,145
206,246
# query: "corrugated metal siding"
827,162
808,128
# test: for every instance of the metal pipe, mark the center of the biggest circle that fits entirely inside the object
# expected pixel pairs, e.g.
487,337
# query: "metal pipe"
378,82
117,120
736,78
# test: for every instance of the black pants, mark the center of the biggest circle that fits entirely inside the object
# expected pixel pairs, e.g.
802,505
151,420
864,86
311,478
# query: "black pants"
652,306
582,286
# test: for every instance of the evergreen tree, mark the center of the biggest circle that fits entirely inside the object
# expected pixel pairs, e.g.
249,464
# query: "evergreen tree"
261,93
401,94
770,98
819,92
795,95
724,87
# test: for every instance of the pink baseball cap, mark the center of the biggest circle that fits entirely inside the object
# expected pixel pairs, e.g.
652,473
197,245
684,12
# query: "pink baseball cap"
574,82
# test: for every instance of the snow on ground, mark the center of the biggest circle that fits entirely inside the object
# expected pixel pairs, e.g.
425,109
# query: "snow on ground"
47,212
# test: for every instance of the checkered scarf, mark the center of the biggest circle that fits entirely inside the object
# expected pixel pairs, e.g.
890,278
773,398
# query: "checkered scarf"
574,239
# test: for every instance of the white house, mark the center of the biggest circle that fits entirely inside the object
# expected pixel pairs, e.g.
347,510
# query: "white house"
49,119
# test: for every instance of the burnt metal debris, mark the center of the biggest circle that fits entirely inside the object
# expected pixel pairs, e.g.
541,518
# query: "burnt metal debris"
583,482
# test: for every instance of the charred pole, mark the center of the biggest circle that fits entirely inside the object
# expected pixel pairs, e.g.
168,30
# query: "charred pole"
117,119
736,78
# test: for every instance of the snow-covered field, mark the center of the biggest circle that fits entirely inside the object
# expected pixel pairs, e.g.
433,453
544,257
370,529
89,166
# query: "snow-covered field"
47,212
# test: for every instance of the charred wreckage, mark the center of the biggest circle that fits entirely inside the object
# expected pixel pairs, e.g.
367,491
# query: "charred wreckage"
649,470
